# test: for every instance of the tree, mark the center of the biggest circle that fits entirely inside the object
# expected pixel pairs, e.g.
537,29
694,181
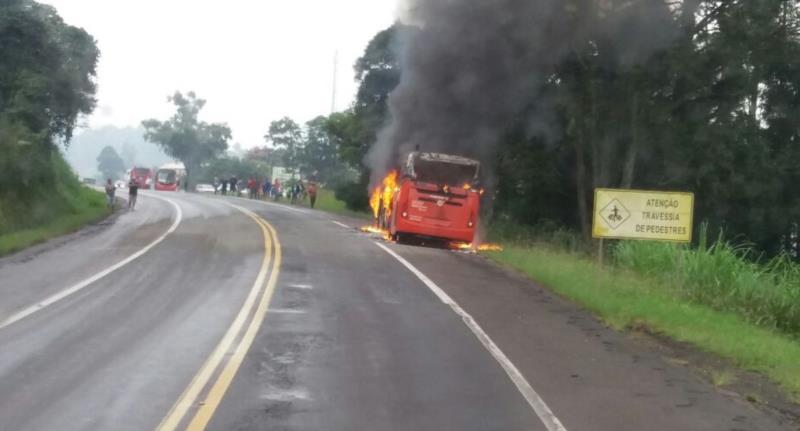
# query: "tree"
320,156
225,167
185,138
353,132
110,164
285,136
377,72
47,81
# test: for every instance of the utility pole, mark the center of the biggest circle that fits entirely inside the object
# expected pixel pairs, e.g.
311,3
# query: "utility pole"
335,75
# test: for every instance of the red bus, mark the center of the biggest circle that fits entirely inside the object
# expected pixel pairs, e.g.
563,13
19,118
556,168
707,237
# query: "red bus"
167,180
436,197
143,177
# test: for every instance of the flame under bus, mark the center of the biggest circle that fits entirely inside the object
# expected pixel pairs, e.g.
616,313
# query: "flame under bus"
435,195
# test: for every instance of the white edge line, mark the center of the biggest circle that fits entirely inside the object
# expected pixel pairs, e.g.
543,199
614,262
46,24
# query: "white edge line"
536,402
340,224
16,317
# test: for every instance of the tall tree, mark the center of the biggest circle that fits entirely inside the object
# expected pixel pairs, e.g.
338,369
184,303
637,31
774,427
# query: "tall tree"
185,137
286,136
109,163
47,81
320,152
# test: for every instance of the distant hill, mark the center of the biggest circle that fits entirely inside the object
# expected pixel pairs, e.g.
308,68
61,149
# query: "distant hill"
128,141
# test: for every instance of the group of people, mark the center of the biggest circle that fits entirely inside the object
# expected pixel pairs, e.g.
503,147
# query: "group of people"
296,190
133,193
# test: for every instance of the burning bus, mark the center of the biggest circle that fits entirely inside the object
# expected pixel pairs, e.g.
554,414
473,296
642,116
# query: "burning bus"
433,195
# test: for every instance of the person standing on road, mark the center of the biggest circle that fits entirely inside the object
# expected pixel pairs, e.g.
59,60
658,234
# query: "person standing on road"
216,185
266,188
293,193
312,192
234,189
252,188
224,187
276,189
111,190
133,193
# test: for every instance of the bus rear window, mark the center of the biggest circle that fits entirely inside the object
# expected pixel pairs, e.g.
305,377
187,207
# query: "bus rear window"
452,174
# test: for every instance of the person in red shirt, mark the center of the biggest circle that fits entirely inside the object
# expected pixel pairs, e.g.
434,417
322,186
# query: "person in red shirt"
312,192
252,187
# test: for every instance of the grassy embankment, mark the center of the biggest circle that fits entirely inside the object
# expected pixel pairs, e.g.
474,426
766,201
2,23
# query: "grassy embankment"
713,296
326,201
33,214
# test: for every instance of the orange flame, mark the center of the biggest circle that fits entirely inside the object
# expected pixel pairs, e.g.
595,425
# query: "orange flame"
473,247
372,229
383,194
375,201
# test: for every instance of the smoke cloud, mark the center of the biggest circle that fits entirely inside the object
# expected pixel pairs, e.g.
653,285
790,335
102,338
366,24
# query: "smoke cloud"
470,67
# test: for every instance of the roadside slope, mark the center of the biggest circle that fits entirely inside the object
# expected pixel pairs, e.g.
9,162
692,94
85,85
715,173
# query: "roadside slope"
41,211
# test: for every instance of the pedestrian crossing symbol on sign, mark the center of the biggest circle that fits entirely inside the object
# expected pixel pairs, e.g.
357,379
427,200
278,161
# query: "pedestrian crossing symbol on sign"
642,214
615,214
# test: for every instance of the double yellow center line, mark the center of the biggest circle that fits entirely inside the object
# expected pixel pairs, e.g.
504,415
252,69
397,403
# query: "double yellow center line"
229,355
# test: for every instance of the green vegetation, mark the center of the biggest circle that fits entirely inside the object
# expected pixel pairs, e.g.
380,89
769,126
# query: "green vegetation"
186,138
626,299
46,84
724,277
110,164
705,99
49,212
722,377
326,201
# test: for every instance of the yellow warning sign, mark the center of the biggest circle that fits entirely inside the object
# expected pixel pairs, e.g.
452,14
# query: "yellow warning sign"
641,214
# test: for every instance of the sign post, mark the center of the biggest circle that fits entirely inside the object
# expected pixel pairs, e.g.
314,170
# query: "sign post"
642,215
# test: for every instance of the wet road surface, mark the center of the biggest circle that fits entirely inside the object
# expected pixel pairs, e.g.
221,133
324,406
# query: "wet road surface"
255,316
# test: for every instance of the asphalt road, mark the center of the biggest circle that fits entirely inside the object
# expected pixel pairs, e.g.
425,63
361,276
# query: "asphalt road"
200,312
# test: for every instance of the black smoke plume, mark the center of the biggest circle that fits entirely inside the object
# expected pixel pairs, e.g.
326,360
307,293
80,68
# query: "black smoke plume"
469,67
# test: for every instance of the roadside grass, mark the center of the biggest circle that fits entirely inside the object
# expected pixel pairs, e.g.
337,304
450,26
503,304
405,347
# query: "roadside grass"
625,299
722,377
326,201
19,240
38,213
722,276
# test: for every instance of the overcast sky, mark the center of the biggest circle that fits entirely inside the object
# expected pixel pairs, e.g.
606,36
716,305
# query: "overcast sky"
253,61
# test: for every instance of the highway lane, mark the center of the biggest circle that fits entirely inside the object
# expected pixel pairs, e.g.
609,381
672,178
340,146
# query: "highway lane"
359,342
117,354
34,274
352,339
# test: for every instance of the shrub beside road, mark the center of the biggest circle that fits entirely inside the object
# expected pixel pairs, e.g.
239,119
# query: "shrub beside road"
47,211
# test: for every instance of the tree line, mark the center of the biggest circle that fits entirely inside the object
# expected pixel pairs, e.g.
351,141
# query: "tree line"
47,81
715,111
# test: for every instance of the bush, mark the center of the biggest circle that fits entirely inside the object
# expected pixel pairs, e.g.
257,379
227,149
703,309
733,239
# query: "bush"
546,233
723,276
57,193
353,194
